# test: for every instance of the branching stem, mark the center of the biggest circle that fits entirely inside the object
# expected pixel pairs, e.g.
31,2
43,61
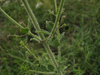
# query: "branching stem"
57,18
37,27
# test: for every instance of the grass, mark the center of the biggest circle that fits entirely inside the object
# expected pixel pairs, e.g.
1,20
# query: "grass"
80,46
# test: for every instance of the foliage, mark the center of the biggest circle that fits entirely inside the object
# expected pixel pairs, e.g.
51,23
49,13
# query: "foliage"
79,47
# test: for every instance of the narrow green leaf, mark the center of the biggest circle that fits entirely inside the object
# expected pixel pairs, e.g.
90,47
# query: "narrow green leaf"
64,25
24,30
34,39
42,31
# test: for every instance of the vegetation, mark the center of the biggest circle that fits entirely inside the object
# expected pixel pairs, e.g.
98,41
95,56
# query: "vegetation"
79,46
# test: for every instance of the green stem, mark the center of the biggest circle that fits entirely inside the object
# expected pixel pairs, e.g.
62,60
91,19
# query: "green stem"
52,57
20,59
32,17
59,48
41,72
58,34
55,6
35,36
11,19
30,52
57,18
36,25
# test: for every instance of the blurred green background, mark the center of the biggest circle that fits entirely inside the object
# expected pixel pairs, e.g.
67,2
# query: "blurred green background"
80,46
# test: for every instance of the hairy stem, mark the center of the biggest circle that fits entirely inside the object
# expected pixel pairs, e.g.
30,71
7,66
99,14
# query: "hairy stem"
11,19
57,18
22,43
41,72
36,25
32,17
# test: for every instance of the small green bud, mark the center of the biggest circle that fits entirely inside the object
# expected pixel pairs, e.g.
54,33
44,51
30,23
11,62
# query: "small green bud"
21,42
